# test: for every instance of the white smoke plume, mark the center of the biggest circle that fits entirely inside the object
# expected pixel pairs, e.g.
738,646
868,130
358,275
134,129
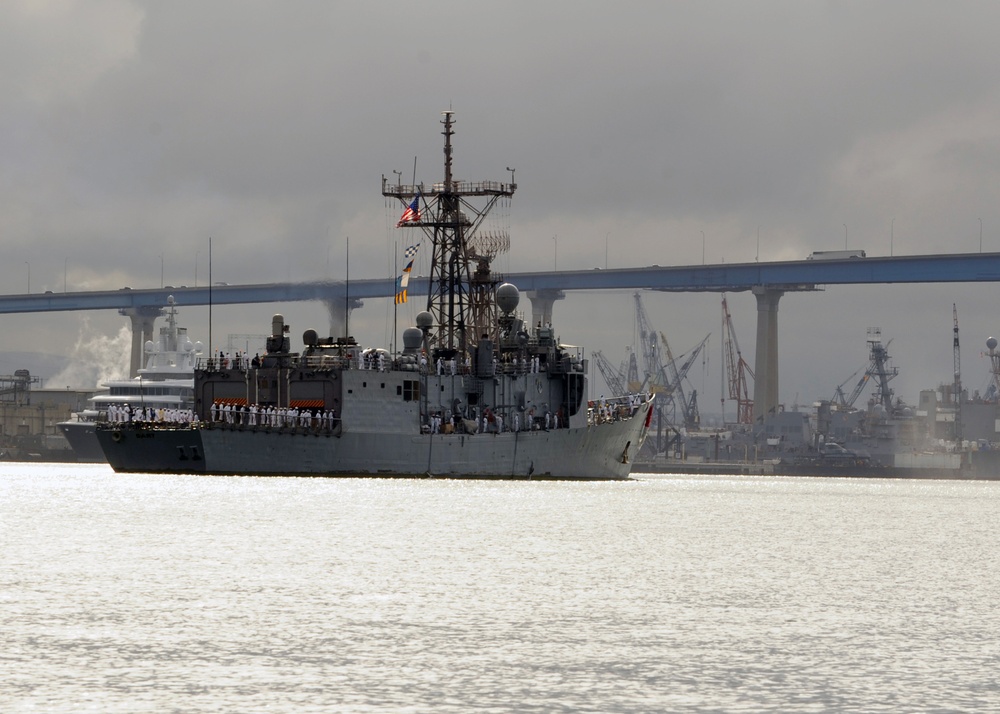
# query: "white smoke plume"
96,359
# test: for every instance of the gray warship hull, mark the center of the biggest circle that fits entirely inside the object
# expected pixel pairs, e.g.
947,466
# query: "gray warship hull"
599,451
81,437
476,392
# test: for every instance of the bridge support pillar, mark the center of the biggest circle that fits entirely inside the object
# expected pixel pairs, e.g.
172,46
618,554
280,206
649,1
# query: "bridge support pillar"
339,309
765,386
142,319
541,305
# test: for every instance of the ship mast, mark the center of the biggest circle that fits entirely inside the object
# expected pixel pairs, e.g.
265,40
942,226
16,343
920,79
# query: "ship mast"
462,284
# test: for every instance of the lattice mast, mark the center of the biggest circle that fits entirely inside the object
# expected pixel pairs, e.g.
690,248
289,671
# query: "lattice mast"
994,390
462,284
879,368
957,388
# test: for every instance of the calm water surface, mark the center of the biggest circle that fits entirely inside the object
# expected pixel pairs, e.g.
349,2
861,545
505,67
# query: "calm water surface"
197,594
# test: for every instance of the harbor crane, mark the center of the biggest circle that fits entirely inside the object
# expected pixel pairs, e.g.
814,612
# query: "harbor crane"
845,401
737,369
667,385
689,405
631,372
613,376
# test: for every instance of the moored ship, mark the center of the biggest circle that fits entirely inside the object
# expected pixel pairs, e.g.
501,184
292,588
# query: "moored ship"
475,392
164,384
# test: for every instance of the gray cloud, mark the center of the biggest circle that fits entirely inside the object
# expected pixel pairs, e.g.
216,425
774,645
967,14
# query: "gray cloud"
133,131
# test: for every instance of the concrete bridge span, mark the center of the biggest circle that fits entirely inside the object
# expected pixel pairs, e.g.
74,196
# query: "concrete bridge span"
768,281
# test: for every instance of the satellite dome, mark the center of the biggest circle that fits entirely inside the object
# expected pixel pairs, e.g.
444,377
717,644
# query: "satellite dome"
149,346
425,320
507,298
187,346
170,299
991,343
309,337
412,337
198,347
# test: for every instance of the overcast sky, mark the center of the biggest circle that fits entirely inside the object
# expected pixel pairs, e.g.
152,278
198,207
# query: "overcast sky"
133,131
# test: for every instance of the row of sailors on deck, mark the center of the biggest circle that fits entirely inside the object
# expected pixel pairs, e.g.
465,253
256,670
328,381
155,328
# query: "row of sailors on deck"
603,411
493,423
122,413
225,360
373,359
257,415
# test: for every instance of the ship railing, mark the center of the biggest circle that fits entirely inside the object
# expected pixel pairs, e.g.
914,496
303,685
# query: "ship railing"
465,188
324,362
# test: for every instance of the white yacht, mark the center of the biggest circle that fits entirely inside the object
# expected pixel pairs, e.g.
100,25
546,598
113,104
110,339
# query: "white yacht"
165,381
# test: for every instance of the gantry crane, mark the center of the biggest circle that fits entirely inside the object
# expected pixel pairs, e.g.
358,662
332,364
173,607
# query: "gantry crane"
738,369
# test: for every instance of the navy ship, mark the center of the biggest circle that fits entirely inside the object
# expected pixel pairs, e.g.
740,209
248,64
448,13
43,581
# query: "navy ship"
475,392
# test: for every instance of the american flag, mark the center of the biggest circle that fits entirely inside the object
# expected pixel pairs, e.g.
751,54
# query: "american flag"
412,212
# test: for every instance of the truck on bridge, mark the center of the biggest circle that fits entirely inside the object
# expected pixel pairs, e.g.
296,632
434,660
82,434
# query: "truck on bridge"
836,254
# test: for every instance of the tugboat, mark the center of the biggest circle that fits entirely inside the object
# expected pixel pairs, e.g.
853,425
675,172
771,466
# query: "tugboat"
166,382
476,392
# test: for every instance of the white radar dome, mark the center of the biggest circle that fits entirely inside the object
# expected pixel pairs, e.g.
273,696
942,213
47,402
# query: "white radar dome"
412,337
425,320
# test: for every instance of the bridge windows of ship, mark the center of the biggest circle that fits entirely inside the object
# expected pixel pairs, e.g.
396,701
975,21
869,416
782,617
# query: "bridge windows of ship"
409,390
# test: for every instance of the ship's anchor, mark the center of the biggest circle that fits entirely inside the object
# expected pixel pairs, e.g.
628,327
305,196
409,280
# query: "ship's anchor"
625,451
